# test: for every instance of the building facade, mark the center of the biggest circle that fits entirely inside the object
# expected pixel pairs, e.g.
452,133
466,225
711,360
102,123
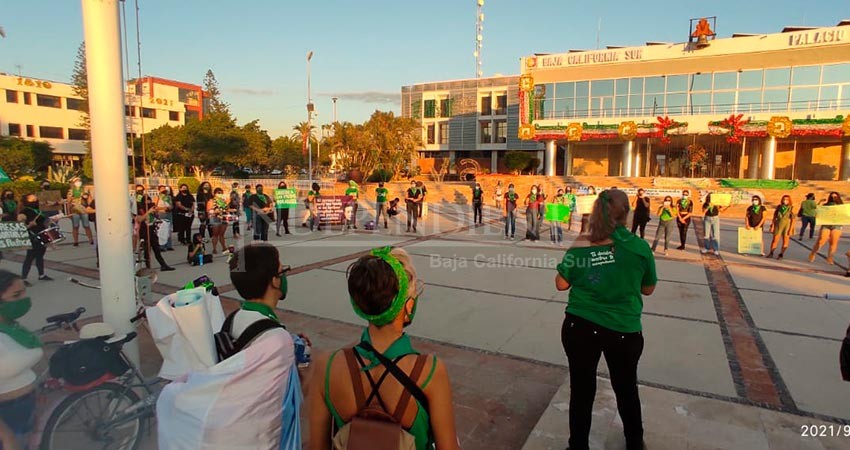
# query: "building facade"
748,106
475,119
50,111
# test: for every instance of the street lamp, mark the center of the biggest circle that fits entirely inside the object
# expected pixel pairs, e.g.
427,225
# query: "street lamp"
309,119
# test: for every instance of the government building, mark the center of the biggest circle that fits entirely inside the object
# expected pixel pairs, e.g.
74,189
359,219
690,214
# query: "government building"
50,111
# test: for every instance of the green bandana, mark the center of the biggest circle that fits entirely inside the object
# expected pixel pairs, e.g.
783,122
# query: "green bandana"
392,312
630,242
756,209
20,334
783,209
684,202
400,347
262,309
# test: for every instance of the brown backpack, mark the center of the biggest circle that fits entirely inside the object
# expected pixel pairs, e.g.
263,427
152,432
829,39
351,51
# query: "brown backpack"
374,427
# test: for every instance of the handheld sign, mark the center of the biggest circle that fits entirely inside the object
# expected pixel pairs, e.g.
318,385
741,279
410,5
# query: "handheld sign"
13,235
556,212
833,215
285,198
750,241
721,199
584,204
331,208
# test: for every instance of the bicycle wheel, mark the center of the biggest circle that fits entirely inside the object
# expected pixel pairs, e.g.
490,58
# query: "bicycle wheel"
76,423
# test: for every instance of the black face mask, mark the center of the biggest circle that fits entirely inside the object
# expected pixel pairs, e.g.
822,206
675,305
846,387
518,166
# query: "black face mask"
10,196
33,205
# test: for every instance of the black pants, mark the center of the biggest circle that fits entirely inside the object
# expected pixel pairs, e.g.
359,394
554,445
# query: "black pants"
204,224
683,230
353,221
639,224
584,342
34,253
236,230
477,211
282,219
413,214
183,227
148,233
808,222
261,227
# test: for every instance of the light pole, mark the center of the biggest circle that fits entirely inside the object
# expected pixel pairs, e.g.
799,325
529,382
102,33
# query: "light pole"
334,100
309,120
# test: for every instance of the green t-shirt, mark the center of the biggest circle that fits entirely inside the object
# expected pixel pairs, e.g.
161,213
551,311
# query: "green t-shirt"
605,281
665,213
382,194
353,192
809,208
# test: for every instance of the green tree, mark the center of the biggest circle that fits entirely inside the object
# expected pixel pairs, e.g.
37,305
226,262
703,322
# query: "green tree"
166,149
353,147
214,141
22,157
258,151
518,161
286,151
395,138
217,105
80,88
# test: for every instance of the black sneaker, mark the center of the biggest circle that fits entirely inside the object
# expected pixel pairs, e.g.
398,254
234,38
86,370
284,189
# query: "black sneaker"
28,284
166,269
44,278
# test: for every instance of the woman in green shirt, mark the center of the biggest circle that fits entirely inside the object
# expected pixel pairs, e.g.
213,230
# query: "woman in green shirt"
808,215
384,291
607,272
782,226
666,213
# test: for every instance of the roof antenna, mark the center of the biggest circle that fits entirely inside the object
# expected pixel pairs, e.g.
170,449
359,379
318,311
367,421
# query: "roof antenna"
598,32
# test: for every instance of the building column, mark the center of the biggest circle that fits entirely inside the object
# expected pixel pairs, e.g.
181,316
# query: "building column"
753,161
768,159
494,162
636,168
568,160
844,165
549,158
628,154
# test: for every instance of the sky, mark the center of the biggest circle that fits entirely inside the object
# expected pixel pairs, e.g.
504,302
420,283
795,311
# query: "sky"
364,51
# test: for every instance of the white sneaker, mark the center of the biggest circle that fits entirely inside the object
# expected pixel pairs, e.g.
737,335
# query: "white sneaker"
717,252
664,253
703,251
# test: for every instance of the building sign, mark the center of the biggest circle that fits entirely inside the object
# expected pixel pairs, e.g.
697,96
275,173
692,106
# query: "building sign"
34,83
588,58
823,36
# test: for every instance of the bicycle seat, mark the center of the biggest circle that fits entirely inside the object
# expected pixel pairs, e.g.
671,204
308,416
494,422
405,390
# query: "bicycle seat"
67,317
96,330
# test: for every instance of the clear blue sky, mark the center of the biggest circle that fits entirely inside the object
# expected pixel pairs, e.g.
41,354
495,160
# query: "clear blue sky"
365,50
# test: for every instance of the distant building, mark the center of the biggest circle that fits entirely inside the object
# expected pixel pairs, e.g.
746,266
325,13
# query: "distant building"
473,118
49,111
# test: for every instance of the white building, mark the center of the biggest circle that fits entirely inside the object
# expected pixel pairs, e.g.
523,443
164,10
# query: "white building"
49,111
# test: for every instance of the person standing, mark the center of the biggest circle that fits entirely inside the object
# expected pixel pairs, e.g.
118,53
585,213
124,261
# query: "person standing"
202,199
532,212
282,214
556,232
217,208
541,209
754,218
354,192
607,273
184,205
641,216
381,204
261,208
312,198
235,205
146,220
422,205
711,222
246,207
570,200
831,233
78,215
808,214
414,203
36,222
498,194
10,206
782,226
666,213
477,204
165,209
511,198
684,209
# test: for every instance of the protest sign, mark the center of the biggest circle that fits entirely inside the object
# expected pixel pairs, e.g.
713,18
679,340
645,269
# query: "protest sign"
285,198
750,241
584,204
721,199
13,235
556,212
331,208
833,215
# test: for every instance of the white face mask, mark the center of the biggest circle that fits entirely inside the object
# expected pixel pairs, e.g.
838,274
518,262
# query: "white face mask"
666,203
534,191
756,202
685,195
78,183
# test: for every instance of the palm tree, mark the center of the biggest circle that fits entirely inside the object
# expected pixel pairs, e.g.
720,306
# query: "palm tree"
302,131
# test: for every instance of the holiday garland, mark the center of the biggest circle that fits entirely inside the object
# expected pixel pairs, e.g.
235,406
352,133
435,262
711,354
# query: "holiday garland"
734,127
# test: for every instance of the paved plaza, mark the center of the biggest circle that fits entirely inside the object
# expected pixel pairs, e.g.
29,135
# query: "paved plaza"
740,351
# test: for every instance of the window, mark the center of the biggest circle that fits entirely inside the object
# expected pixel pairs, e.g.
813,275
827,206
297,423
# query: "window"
725,80
622,86
700,103
51,132
676,103
129,111
750,79
446,107
636,86
430,134
187,96
564,90
487,105
836,73
486,138
806,76
50,101
76,134
677,83
654,85
15,129
444,133
701,82
174,115
724,102
501,105
803,99
194,115
430,109
749,101
828,95
30,131
775,99
501,131
148,113
11,96
27,98
777,77
74,104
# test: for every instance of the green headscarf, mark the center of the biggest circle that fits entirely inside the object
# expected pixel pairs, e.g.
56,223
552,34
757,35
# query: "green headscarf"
392,312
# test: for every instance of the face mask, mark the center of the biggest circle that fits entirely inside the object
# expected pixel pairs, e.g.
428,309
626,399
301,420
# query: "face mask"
666,203
140,191
510,189
409,319
756,202
685,195
15,309
284,286
78,184
534,191
259,190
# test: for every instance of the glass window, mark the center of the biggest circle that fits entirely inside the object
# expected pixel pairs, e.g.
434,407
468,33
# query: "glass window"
653,103
701,103
148,113
30,130
775,99
621,105
193,115
11,96
564,90
51,132
845,96
582,89
828,95
581,107
601,106
677,83
430,108
50,101
487,102
622,86
445,107
724,102
654,85
806,76
27,98
602,88
129,111
701,82
777,77
74,104
803,99
430,133
750,79
15,129
501,104
836,73
485,137
636,86
444,133
564,107
749,101
725,80
187,96
501,131
174,115
76,134
635,104
676,103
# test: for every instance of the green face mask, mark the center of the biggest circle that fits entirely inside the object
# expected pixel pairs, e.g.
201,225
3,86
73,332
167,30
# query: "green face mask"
284,286
15,309
410,317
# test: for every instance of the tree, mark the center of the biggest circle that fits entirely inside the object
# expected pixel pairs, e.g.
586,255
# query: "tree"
353,147
213,141
518,161
80,88
286,152
217,105
22,157
302,131
258,146
166,149
395,138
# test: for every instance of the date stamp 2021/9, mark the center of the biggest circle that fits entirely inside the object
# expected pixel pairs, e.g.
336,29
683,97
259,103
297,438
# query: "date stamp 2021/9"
817,431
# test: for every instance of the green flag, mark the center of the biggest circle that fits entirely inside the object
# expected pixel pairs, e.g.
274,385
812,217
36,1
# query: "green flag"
3,176
556,212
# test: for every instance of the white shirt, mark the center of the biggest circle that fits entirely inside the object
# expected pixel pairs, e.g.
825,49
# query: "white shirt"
17,363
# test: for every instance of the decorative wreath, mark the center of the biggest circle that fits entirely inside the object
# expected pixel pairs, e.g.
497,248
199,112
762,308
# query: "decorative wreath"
526,132
779,127
734,124
574,131
627,130
845,126
526,83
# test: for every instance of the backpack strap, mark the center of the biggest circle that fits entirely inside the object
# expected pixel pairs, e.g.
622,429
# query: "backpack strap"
405,395
356,383
399,375
255,329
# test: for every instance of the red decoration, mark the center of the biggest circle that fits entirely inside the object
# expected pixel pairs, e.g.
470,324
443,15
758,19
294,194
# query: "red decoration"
664,124
734,123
